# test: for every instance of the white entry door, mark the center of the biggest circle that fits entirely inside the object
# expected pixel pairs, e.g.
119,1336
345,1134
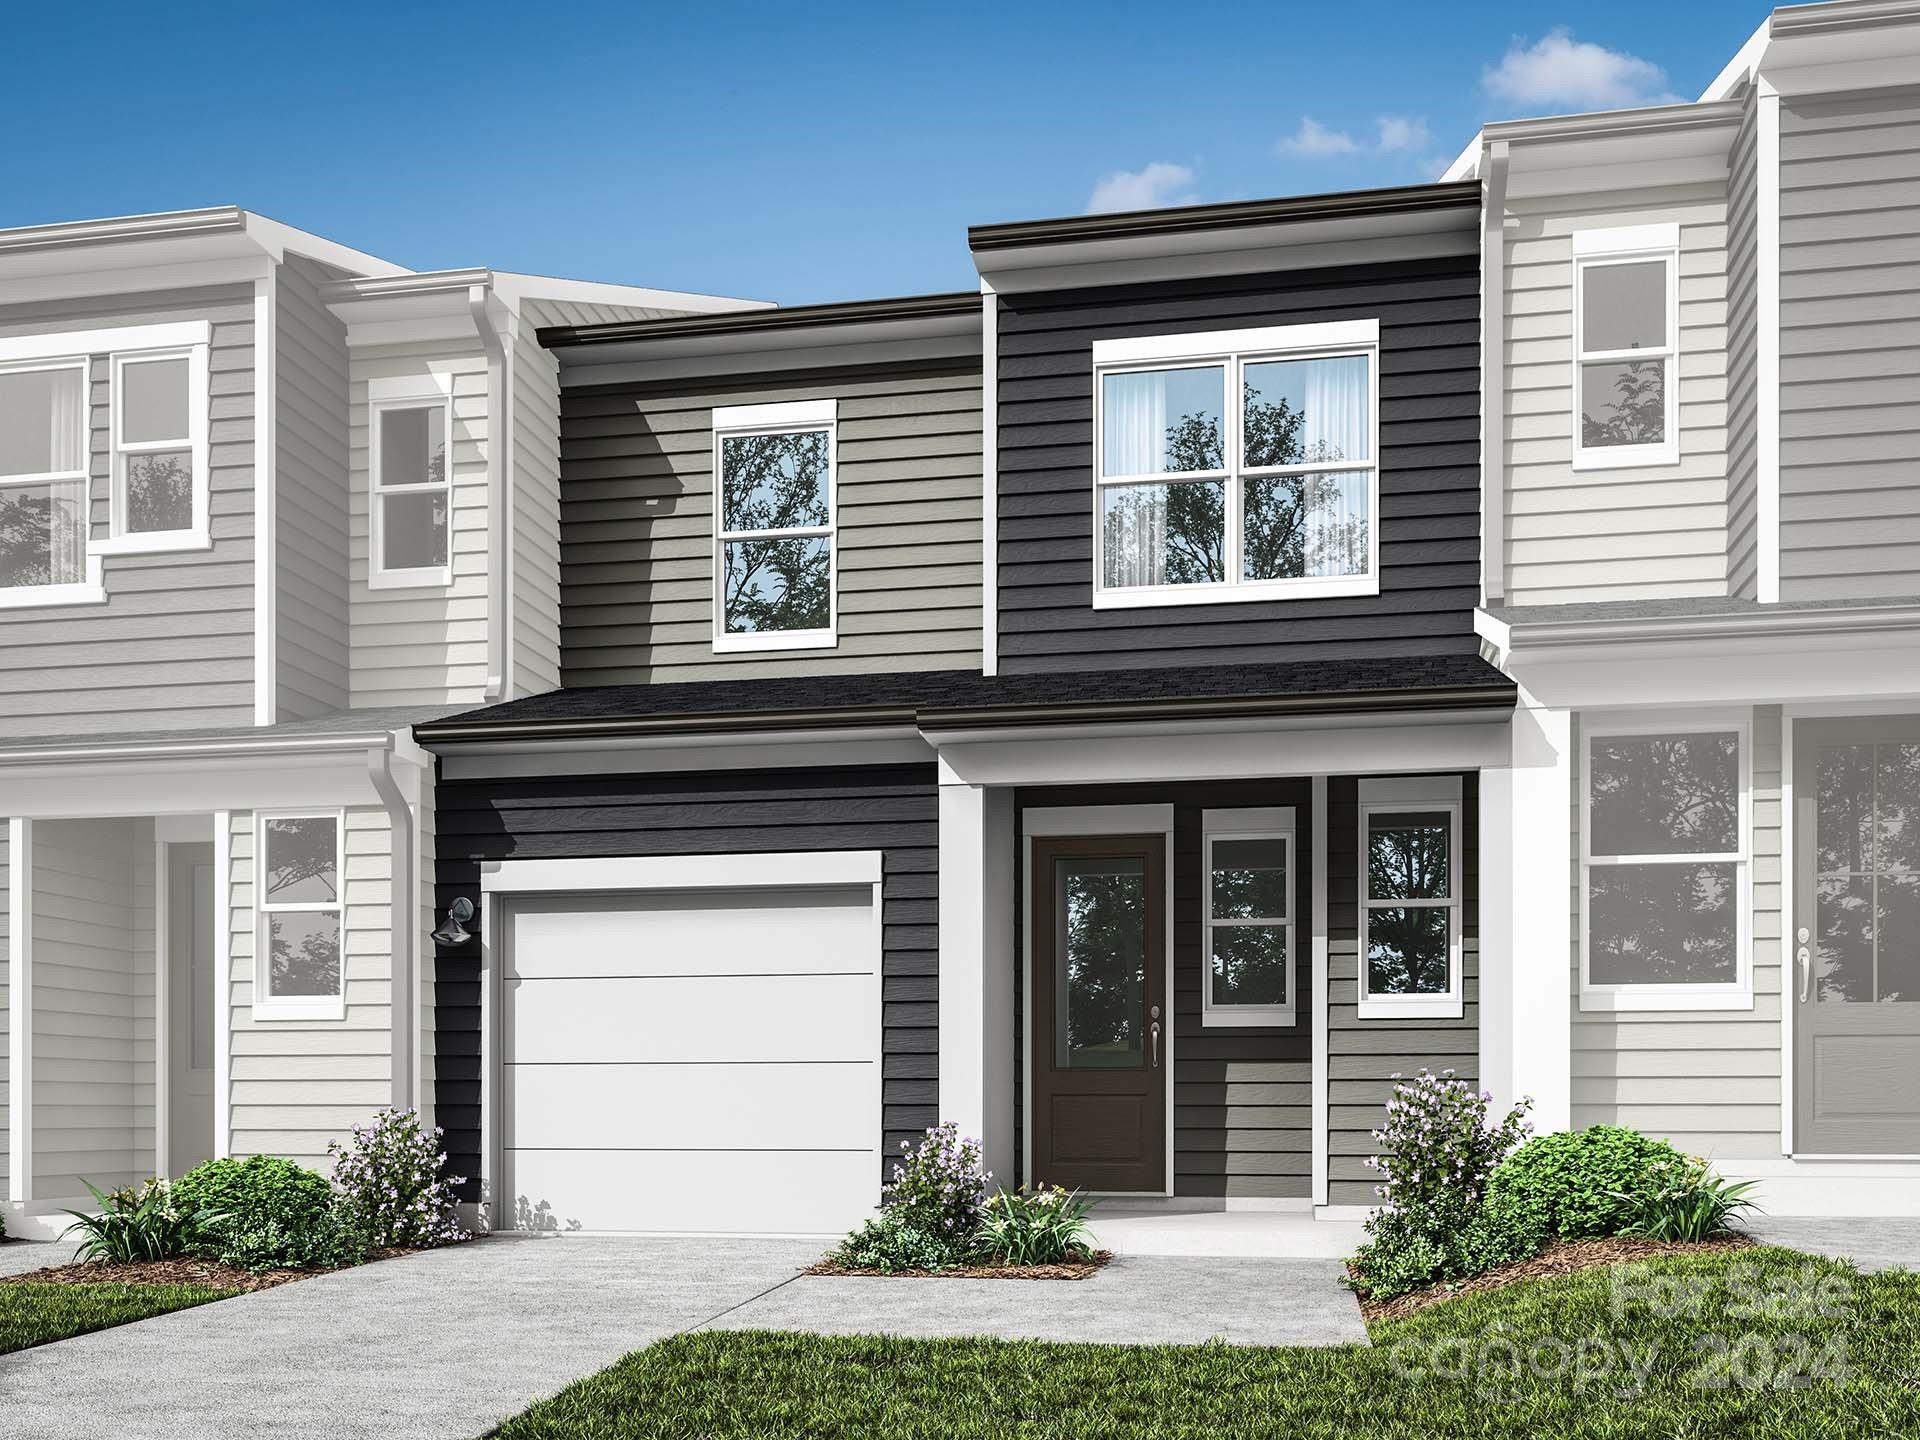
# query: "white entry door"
702,1062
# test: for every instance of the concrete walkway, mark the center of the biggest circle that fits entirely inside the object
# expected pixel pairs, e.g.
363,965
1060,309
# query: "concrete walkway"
19,1256
1877,1243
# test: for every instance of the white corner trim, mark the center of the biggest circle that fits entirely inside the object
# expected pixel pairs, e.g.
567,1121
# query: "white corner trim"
989,480
266,431
1789,887
1321,1091
223,984
1202,344
776,415
1627,239
1767,342
19,1010
785,870
178,334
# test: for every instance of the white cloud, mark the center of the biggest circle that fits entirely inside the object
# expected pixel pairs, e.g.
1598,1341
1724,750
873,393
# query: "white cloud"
1560,70
1159,183
1404,132
1313,138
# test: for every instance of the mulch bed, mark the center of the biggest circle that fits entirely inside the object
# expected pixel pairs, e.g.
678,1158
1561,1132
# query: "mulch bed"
1074,1270
1561,1257
173,1272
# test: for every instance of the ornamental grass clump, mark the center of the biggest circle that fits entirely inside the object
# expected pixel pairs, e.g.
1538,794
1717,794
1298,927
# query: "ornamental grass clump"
140,1222
392,1183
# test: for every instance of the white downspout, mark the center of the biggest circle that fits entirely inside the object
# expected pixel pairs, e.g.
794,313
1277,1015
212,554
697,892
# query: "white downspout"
499,443
404,921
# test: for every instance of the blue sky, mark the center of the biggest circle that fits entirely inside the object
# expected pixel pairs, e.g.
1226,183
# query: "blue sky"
793,153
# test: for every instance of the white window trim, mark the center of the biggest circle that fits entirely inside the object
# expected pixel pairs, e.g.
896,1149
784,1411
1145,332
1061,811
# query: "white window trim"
1265,823
1233,350
267,1006
1620,246
91,590
1736,994
1398,795
379,403
784,418
197,535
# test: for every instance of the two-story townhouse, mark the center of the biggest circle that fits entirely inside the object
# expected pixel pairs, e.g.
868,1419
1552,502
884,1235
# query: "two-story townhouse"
1702,522
264,500
1056,786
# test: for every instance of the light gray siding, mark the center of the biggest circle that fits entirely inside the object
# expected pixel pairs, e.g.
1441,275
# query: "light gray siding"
637,525
1708,1080
1850,347
1627,534
310,548
6,1031
535,607
1743,354
174,640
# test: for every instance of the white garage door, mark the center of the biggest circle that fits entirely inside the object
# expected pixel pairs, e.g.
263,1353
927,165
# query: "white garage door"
695,1062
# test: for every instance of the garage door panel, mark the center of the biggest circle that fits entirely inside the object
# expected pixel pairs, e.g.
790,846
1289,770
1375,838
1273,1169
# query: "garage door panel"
692,1019
762,932
643,1107
707,1192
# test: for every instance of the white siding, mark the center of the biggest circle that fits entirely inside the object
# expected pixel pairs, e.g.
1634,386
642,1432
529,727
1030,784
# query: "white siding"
1625,534
295,1085
1708,1080
425,646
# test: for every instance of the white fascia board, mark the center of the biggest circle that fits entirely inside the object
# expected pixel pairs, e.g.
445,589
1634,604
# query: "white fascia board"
515,286
1744,65
654,754
277,239
1466,165
787,870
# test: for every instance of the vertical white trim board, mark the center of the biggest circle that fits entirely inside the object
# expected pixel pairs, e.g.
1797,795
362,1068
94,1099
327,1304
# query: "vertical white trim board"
1767,339
19,1010
223,983
989,480
265,438
162,1010
1322,1000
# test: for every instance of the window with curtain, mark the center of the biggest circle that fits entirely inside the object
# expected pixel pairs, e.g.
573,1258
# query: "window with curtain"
43,474
1247,472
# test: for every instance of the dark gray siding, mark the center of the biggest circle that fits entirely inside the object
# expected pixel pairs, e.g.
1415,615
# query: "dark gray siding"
1242,1102
1429,470
1364,1056
636,524
893,809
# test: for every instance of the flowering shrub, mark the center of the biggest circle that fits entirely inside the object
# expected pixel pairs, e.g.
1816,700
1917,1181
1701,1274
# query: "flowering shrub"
1041,1226
392,1186
939,1186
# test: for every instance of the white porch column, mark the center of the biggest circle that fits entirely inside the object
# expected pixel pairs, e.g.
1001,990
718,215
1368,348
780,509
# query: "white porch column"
1526,1009
19,1010
976,966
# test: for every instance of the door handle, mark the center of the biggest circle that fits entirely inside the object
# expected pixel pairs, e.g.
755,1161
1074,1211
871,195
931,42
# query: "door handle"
1153,1035
1805,957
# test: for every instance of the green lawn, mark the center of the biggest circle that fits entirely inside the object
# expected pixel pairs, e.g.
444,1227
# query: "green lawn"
1786,1346
33,1314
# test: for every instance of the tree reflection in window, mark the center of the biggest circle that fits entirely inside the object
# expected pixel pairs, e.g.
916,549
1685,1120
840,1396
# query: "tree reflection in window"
773,582
1101,964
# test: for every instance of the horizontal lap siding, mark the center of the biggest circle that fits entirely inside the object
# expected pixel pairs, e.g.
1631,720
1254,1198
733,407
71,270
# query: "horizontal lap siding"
1624,534
1743,355
310,581
295,1085
1850,347
637,517
535,533
1708,1080
1429,471
175,639
893,809
1366,1057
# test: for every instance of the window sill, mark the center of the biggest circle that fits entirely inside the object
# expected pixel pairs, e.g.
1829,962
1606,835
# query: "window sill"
81,592
794,640
1627,457
1248,1017
438,578
160,542
1662,997
1153,598
330,1007
1436,1007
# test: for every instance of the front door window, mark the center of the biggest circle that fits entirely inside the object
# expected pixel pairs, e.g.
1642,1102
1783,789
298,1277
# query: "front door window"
1100,1019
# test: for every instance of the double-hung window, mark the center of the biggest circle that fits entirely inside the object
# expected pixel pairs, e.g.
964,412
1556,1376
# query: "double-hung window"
1410,900
1626,350
1664,867
773,547
1236,465
43,480
411,472
159,450
1249,857
300,970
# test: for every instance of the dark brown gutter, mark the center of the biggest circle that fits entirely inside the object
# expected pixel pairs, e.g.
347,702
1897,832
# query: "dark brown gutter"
751,322
1189,219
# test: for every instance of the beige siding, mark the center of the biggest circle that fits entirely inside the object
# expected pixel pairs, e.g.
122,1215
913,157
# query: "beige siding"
310,615
175,639
295,1085
1708,1080
1850,347
637,527
1743,354
92,894
428,645
1624,534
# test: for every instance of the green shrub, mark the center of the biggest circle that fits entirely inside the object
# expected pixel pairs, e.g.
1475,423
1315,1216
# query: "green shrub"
890,1242
325,1243
140,1222
1583,1182
277,1215
1687,1201
1407,1251
1043,1226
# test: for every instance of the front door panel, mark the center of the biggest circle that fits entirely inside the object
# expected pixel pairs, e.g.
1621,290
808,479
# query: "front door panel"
1101,1018
1855,952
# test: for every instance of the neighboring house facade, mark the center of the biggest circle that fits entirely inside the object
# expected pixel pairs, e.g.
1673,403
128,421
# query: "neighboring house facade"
264,500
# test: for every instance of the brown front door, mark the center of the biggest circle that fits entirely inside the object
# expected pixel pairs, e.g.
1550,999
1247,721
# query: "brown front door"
1100,1013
